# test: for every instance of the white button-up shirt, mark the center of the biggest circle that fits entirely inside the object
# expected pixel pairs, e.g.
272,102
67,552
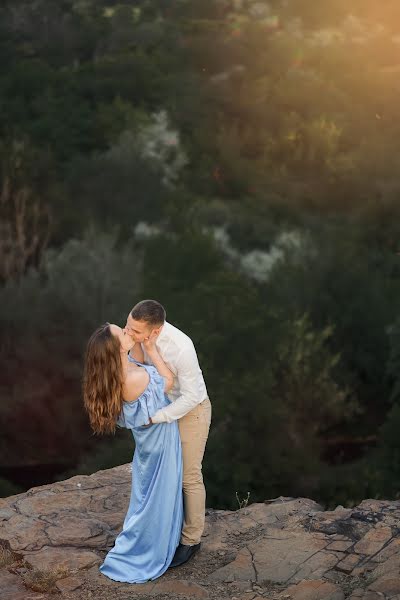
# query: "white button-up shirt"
189,389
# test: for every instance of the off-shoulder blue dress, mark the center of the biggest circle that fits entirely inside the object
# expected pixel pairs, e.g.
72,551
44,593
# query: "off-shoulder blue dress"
152,527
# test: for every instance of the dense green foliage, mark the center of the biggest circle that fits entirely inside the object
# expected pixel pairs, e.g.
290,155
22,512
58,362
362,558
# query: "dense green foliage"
239,162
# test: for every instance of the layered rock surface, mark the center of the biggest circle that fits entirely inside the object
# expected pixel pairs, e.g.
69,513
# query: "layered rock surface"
286,548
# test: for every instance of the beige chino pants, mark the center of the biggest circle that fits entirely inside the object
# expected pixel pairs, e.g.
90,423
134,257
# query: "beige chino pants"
194,428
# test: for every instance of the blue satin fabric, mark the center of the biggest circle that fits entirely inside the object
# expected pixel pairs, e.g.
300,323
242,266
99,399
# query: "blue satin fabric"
152,526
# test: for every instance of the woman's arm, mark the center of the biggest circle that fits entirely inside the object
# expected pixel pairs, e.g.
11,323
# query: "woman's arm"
137,352
154,355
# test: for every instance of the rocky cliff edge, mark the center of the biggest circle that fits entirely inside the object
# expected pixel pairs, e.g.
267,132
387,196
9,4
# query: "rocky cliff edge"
53,538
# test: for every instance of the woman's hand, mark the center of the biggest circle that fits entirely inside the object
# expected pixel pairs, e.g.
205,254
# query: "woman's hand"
149,344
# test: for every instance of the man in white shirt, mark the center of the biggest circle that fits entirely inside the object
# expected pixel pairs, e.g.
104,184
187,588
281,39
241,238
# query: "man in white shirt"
190,406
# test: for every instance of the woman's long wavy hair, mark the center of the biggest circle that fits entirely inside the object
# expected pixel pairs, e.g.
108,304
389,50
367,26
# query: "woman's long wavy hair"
102,380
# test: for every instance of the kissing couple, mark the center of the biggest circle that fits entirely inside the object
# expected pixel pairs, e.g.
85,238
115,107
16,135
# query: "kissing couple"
146,377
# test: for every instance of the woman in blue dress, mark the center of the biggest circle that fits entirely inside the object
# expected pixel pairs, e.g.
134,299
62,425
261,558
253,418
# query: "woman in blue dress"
119,390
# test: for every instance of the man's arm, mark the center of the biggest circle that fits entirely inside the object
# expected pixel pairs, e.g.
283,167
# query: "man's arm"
188,371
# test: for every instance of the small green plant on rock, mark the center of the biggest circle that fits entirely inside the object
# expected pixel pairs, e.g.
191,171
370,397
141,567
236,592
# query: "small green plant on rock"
243,503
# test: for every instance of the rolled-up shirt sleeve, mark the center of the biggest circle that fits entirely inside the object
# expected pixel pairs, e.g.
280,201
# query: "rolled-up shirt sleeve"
187,374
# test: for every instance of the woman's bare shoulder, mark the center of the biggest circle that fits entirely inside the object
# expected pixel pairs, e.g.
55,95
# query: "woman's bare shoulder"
135,384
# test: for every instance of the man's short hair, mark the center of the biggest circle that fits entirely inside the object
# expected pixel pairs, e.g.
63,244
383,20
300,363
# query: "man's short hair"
150,311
